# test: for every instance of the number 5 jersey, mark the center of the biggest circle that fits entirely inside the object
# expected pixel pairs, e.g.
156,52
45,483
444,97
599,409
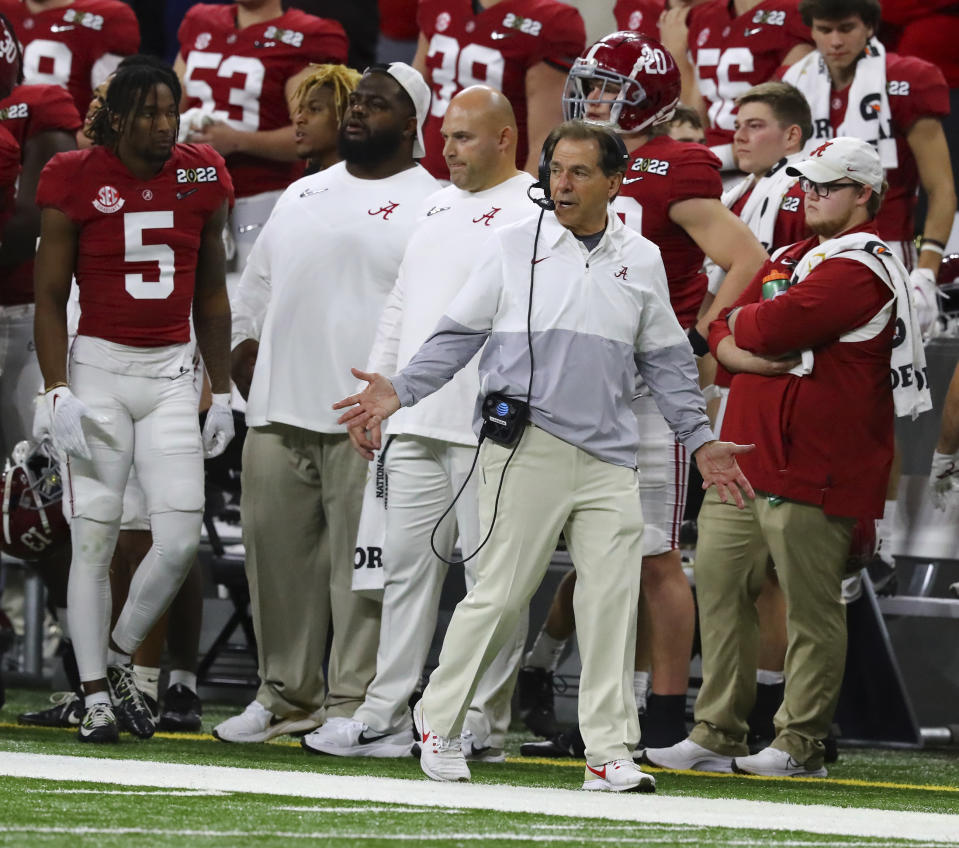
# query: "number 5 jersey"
138,240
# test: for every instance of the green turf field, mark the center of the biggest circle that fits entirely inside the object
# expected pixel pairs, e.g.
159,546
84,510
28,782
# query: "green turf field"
139,793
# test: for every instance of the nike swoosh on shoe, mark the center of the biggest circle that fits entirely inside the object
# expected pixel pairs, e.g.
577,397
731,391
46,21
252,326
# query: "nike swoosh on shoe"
363,739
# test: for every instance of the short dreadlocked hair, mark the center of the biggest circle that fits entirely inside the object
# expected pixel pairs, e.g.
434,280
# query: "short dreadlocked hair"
134,79
339,78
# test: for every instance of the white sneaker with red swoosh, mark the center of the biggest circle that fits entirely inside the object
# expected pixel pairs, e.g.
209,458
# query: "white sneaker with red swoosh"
618,776
440,758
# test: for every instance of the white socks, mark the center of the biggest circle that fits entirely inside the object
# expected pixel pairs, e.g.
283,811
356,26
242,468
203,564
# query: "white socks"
769,678
640,688
148,680
546,652
96,698
187,678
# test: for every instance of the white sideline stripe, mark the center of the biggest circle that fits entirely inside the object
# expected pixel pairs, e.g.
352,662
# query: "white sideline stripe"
186,793
717,812
421,811
326,835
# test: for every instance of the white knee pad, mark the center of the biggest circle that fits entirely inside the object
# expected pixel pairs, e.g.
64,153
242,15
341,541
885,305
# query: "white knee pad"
90,498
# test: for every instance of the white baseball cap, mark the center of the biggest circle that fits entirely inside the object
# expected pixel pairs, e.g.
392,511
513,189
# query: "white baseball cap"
412,82
841,157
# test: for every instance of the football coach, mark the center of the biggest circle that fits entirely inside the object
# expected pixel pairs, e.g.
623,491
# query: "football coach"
573,305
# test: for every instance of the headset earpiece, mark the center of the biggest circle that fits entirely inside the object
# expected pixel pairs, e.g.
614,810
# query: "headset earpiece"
545,157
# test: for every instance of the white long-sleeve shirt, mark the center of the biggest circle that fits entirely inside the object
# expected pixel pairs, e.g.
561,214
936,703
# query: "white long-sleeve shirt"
598,319
314,286
451,235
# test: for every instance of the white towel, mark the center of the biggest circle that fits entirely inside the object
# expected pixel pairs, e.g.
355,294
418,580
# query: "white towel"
760,211
867,97
910,385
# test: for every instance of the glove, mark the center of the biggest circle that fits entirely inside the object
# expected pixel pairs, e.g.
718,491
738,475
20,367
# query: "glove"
944,479
66,412
925,297
218,429
42,424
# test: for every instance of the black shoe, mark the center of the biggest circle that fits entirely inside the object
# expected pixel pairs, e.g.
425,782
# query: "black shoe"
534,691
832,749
67,711
181,711
135,712
762,731
99,725
569,743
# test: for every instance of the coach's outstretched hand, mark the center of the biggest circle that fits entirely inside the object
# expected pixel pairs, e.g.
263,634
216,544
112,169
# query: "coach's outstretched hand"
717,463
368,409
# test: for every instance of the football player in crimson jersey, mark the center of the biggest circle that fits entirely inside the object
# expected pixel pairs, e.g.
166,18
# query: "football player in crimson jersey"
42,121
138,219
640,16
686,125
240,64
904,97
724,48
522,47
9,171
629,83
75,44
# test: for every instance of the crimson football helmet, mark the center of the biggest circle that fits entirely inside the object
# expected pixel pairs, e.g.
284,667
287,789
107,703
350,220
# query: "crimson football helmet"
625,82
31,491
11,60
949,288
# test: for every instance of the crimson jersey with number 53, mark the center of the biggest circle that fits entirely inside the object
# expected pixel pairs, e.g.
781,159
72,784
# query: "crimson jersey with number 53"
496,46
733,53
64,46
240,74
138,239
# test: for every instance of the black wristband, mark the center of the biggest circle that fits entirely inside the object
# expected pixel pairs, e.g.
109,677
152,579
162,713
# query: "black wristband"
699,344
924,239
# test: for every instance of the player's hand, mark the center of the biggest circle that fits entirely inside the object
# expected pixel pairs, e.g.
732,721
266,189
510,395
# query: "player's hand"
365,441
242,363
218,429
718,467
370,408
925,297
944,480
673,32
66,413
220,136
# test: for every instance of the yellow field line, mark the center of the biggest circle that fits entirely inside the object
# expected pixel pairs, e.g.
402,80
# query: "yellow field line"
571,763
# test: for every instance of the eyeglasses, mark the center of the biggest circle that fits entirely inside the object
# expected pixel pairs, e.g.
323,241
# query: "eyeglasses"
823,189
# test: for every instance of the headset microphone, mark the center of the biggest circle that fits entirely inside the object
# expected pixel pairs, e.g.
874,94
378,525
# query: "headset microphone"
545,202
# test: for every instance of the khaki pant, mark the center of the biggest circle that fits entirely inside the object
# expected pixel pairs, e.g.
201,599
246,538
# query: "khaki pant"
809,549
551,486
424,476
302,493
